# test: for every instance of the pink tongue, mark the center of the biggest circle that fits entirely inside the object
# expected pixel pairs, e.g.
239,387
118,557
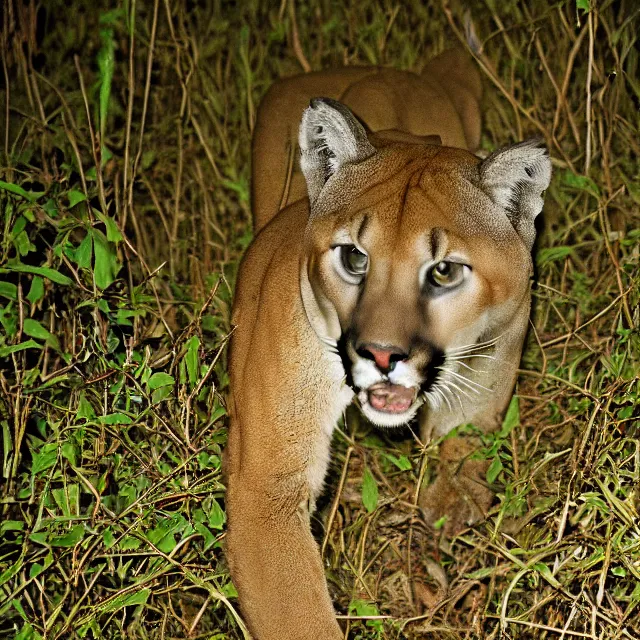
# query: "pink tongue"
393,398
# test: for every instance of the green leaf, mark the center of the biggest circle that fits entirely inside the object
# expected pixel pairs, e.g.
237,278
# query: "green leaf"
14,348
208,538
552,254
217,516
544,571
369,491
125,600
582,183
115,418
68,451
106,64
75,197
69,539
85,410
44,459
113,233
36,291
37,568
8,290
106,261
583,5
23,244
84,252
11,525
511,418
494,470
35,330
19,191
160,379
403,463
46,272
192,359
6,575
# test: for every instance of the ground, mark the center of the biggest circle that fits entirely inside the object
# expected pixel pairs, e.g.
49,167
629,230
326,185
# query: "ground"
124,190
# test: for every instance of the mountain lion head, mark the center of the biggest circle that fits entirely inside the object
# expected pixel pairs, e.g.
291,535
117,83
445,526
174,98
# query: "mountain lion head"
417,261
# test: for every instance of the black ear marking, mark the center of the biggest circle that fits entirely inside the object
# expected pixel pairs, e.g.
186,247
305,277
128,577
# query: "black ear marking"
330,136
516,179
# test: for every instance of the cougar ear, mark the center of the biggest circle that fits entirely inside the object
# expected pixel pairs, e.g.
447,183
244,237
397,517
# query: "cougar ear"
515,178
330,136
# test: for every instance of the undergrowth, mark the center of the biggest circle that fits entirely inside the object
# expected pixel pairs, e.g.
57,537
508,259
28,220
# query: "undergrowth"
124,196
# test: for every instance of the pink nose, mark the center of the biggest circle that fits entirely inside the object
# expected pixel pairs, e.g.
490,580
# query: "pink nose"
385,359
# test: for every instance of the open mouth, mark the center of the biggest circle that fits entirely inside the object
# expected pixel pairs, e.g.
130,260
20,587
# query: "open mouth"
391,398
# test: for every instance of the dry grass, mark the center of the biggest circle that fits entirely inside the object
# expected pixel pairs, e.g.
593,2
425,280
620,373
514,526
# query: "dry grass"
125,175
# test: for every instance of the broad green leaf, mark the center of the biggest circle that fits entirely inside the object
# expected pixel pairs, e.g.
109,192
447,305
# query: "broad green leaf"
108,538
160,379
583,183
44,459
552,254
75,197
84,252
35,330
69,452
192,359
69,539
8,290
106,261
113,233
162,393
36,291
85,410
494,470
19,191
217,516
511,418
129,543
11,525
369,491
208,538
37,568
402,462
46,272
14,348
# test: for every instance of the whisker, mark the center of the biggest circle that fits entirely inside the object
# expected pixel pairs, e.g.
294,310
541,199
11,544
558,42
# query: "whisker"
466,366
468,381
476,347
451,383
466,356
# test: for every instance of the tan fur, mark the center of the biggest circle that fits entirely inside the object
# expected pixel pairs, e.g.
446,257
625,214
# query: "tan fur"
408,203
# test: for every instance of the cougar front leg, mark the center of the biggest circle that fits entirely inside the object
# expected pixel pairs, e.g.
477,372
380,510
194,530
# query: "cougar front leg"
277,457
459,493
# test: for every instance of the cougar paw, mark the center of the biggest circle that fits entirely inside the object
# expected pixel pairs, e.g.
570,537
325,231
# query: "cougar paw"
461,499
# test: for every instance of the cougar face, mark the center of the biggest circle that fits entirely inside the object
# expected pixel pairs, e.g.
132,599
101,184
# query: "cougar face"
413,277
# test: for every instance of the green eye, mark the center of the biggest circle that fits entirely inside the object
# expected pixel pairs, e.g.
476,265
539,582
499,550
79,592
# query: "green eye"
446,274
354,261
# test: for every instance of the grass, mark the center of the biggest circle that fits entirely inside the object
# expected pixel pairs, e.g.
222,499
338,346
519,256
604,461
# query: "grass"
124,197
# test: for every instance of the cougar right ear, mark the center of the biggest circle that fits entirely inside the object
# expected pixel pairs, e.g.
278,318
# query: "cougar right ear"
330,136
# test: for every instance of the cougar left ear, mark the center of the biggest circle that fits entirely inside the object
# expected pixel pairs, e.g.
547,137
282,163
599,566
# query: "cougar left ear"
330,136
515,178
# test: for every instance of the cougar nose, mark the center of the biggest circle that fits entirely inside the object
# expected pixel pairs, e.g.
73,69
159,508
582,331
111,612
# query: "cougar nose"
384,357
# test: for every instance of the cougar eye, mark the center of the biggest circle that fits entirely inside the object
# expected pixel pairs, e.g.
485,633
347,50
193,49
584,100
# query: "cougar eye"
446,274
351,263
